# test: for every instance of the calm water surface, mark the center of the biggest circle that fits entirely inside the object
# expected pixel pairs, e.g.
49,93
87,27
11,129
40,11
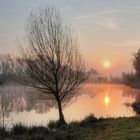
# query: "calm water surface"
103,100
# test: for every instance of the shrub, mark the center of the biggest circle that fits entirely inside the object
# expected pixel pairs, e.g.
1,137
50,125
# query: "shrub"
3,132
38,130
53,125
19,129
89,120
74,124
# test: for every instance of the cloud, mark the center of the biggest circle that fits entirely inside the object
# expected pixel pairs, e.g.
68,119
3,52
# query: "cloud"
107,12
107,18
100,20
107,23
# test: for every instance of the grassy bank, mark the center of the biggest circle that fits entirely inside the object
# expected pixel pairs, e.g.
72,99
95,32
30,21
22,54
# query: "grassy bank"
88,129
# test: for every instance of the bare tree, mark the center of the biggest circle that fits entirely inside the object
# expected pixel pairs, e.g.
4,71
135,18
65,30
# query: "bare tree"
52,63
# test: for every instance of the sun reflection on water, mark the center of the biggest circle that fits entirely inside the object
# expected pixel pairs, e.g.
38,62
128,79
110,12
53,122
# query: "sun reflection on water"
106,100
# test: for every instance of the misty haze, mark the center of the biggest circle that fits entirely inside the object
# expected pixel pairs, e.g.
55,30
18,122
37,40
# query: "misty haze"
70,70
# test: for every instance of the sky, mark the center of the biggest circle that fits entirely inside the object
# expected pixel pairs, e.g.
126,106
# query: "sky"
106,29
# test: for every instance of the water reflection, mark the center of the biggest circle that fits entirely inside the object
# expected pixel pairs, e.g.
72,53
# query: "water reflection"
135,95
16,99
19,98
19,103
107,100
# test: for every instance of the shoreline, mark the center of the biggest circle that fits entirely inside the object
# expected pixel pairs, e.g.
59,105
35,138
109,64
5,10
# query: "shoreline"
87,129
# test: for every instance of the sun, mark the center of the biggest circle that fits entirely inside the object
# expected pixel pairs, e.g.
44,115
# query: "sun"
106,63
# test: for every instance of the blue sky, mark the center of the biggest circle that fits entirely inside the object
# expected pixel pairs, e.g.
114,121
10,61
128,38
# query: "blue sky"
106,29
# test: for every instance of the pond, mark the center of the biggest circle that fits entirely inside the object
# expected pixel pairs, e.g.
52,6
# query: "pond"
102,100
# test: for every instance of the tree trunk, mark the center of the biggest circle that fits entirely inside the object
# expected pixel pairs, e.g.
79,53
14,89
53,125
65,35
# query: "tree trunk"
61,116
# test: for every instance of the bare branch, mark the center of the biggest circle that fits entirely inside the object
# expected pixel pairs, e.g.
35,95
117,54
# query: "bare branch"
51,58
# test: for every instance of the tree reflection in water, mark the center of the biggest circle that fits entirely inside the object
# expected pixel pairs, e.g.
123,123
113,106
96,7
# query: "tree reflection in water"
135,95
16,98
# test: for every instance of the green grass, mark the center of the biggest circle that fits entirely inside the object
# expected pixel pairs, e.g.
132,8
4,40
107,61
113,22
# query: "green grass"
113,129
90,128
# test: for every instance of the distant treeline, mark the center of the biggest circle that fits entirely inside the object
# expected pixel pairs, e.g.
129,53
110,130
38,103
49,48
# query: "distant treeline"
133,79
95,77
9,71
